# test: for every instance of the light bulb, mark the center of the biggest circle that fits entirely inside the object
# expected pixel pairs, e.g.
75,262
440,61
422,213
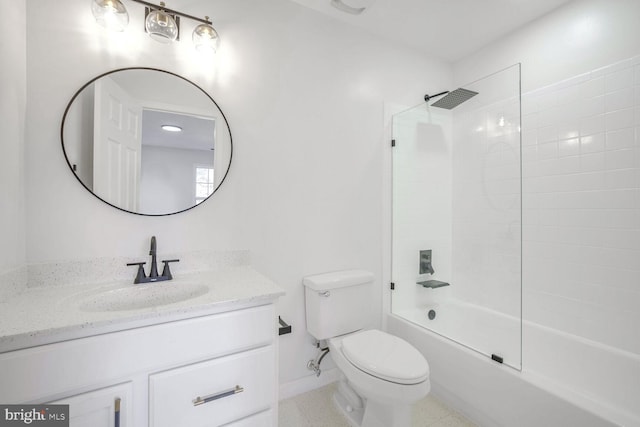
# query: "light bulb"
205,38
161,26
110,14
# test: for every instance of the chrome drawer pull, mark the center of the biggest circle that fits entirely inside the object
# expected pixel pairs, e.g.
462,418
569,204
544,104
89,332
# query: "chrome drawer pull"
201,400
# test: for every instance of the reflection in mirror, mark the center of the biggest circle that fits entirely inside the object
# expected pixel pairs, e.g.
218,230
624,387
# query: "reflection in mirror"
146,141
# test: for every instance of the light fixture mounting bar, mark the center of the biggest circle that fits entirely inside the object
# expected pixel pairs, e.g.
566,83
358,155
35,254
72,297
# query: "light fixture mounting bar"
171,11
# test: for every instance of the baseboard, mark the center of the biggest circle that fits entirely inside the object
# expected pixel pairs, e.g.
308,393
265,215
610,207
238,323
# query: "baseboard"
308,383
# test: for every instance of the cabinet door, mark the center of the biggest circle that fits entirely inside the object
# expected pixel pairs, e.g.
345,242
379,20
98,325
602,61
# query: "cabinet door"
107,407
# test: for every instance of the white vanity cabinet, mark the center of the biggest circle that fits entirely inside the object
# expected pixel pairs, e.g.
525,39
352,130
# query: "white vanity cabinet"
228,360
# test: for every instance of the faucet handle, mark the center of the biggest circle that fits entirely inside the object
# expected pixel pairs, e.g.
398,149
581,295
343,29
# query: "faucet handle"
166,272
140,276
426,263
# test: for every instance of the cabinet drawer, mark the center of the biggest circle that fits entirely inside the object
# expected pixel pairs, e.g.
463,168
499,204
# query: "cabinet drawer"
172,393
263,419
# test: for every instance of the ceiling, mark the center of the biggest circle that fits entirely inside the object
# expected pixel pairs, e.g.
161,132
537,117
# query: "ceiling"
169,100
197,132
448,29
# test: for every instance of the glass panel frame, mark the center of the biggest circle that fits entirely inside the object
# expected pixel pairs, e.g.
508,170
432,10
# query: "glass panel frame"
457,191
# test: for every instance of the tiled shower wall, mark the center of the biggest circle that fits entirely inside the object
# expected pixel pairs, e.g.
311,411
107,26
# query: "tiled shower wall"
486,196
581,205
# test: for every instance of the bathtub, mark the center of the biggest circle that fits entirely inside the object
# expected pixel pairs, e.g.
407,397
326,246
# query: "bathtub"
565,380
486,331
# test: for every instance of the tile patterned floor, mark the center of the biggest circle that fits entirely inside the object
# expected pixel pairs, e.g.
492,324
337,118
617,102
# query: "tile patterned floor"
316,409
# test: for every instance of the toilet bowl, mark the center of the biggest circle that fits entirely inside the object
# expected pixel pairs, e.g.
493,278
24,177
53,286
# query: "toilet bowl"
385,371
382,375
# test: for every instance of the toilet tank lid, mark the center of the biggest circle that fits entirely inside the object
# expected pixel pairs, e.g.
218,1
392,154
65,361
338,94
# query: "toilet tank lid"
337,279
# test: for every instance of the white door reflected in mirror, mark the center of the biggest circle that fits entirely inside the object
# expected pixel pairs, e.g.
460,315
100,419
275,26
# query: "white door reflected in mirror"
117,145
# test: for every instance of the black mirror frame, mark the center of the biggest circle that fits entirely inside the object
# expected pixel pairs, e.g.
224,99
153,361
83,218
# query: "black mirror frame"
66,111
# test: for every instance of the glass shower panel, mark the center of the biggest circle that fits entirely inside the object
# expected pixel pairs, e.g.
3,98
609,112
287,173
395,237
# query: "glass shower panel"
457,194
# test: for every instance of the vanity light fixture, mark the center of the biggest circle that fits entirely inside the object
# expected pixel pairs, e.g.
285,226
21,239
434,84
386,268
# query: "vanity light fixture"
161,23
171,128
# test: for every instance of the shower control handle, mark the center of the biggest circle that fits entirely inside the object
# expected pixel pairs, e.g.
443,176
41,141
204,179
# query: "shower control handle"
425,266
325,294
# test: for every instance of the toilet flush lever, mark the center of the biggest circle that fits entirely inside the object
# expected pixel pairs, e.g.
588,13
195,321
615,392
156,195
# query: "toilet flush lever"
325,294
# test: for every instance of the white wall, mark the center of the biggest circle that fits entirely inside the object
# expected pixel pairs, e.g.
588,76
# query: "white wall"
167,178
581,195
78,135
304,99
13,86
577,37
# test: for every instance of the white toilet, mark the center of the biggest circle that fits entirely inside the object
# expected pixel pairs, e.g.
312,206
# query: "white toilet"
383,374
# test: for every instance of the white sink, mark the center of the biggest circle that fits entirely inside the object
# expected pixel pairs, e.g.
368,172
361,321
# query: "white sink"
135,297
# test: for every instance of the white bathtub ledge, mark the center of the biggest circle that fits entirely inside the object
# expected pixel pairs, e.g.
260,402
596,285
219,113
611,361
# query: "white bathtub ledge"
596,407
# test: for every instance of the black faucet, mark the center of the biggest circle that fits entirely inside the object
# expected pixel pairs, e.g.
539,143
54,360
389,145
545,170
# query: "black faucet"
154,265
141,277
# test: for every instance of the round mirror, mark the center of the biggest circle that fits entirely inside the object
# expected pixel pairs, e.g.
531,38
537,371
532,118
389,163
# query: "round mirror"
146,141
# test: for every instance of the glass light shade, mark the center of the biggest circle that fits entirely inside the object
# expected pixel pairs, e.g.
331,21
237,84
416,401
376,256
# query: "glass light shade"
161,26
205,38
110,14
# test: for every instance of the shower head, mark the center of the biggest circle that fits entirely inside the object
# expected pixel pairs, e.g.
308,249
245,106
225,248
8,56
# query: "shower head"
454,98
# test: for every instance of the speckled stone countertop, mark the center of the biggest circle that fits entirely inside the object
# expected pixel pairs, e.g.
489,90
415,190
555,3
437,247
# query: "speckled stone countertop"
44,315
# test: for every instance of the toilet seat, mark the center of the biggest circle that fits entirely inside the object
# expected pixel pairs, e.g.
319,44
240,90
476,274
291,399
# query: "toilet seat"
385,356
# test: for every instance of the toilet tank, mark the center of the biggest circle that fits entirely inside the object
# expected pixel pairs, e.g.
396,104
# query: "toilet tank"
337,303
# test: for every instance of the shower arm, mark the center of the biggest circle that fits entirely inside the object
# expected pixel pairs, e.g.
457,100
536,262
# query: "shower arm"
427,98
